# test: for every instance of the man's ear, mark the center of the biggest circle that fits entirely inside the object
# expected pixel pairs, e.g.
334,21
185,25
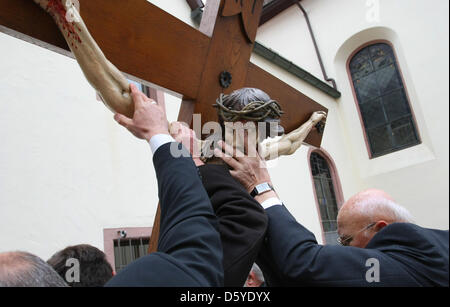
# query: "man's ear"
379,225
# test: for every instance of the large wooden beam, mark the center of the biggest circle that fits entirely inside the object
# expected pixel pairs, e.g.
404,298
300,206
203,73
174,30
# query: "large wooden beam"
229,51
130,33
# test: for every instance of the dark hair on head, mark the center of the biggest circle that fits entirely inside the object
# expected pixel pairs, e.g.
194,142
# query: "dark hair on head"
21,269
95,270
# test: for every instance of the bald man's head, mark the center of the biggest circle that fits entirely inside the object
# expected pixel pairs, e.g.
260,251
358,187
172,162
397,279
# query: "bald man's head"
20,269
367,212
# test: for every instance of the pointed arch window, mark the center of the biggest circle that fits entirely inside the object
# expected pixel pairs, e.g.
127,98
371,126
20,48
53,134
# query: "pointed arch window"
326,195
383,103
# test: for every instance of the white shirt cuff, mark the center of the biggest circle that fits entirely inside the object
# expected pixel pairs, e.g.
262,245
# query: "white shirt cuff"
158,140
271,202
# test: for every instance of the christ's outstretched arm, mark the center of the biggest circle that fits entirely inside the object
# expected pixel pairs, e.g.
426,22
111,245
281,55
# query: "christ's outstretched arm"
106,79
289,143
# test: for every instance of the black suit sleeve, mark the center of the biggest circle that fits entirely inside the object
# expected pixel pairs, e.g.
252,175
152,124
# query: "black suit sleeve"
189,247
292,257
242,222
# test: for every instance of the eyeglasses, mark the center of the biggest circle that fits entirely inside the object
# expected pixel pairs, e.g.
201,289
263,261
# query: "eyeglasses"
345,240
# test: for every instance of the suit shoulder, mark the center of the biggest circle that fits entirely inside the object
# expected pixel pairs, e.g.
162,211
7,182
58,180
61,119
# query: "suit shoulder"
409,235
421,251
401,228
409,228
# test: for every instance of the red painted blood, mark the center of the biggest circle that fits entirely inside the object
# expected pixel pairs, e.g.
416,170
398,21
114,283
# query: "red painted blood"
58,11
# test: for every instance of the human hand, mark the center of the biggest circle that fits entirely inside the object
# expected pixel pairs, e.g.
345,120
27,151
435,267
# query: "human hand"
318,117
249,171
149,117
181,132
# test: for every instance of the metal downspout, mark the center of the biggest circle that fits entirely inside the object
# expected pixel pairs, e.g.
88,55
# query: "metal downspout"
322,66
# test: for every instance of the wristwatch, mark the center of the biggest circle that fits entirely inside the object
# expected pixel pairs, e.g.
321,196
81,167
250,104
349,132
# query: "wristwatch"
261,188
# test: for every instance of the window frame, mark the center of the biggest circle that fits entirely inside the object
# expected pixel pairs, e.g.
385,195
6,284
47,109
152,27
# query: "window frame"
112,234
357,104
336,184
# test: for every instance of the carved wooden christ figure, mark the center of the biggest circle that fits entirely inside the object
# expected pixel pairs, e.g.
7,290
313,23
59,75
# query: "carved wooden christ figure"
259,117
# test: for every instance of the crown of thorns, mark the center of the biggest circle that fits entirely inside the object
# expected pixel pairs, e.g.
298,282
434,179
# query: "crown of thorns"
254,111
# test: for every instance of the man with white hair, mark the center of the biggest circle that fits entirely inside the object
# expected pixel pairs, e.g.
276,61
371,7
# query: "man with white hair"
365,214
380,246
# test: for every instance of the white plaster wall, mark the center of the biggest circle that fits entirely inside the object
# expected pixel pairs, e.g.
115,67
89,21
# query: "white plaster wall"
177,8
67,170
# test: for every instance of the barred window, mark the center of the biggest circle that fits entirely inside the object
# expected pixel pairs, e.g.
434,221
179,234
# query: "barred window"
382,100
326,196
129,250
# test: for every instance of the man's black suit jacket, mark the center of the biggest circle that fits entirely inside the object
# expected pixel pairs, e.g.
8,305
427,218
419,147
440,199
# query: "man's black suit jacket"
408,255
189,248
242,222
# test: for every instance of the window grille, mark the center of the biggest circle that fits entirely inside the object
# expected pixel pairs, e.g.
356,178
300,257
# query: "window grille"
128,250
326,197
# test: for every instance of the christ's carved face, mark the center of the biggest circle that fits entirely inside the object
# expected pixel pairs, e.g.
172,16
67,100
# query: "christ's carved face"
248,116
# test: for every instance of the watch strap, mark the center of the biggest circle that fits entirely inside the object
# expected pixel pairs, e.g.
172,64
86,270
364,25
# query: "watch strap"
261,188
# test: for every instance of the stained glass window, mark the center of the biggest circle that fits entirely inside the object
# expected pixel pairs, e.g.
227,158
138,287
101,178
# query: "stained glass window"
326,196
382,100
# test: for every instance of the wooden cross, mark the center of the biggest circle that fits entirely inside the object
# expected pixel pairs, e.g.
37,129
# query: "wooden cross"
183,60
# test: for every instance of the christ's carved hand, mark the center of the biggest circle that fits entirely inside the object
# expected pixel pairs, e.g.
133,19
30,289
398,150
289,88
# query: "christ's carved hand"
317,117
